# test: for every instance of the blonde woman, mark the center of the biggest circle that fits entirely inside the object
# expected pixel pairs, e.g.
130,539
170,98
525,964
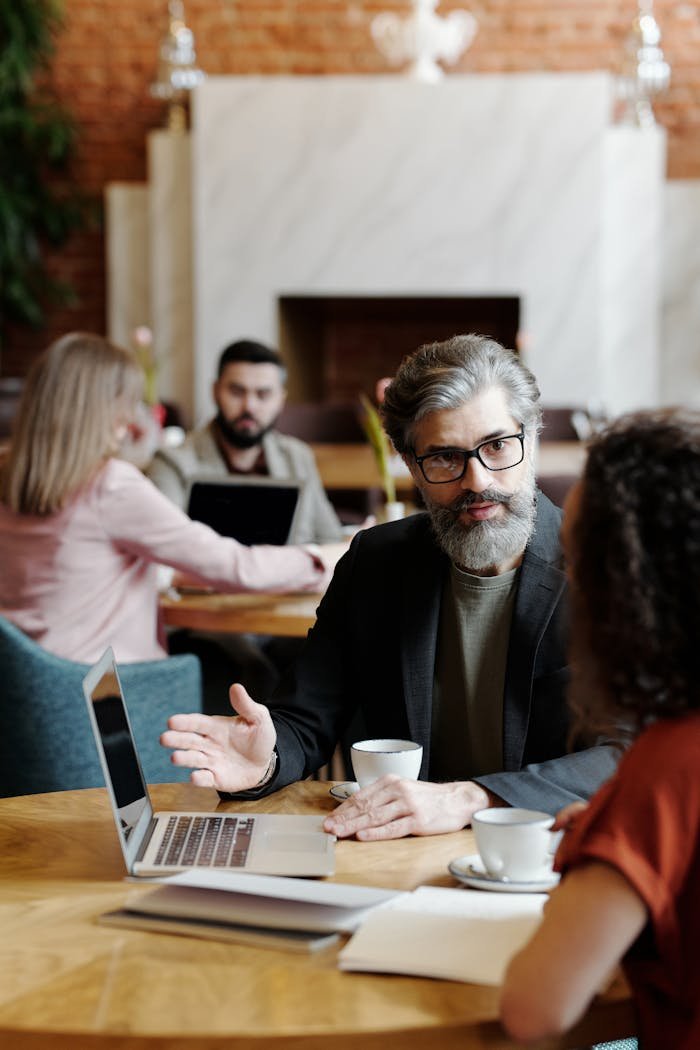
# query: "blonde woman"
81,531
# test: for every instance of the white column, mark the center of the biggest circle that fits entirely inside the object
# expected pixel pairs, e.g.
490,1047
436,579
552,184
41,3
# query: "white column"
128,269
632,236
171,266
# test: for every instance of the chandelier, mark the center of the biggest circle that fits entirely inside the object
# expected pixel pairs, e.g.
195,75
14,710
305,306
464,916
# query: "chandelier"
645,73
177,69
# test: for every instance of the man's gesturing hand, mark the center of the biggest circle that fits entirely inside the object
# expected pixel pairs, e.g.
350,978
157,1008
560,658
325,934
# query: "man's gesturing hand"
393,807
230,754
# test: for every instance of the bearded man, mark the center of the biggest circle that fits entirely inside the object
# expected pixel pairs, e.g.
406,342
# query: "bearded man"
249,393
447,628
241,440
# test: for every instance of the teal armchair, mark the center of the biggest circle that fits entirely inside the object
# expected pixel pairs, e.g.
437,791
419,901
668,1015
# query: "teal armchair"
46,743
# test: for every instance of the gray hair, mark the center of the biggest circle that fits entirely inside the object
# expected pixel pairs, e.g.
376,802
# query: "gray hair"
446,375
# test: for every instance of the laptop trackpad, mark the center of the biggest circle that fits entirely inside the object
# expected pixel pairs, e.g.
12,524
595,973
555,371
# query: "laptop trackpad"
295,842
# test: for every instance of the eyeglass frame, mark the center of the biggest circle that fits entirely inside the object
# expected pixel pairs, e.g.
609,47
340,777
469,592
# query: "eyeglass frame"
473,454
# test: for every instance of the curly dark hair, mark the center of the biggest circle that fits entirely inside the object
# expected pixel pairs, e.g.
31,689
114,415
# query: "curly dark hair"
634,564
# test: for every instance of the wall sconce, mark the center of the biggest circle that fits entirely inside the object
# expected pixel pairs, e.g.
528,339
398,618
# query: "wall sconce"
178,73
645,73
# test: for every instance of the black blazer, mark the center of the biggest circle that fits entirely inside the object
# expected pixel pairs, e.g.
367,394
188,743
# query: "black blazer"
373,648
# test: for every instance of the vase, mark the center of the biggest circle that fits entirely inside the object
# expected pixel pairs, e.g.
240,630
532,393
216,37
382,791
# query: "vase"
393,510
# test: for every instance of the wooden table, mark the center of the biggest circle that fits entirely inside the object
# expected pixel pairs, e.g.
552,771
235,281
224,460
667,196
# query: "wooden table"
69,984
560,457
283,615
352,466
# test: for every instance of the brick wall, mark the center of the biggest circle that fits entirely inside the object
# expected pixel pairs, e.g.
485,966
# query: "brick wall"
106,58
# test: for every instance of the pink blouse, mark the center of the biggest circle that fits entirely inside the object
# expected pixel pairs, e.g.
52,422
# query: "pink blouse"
85,578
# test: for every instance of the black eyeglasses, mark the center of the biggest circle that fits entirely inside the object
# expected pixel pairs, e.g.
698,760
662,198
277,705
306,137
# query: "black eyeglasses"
450,464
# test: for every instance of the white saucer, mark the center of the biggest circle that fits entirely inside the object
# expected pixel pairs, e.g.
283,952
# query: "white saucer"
343,791
470,871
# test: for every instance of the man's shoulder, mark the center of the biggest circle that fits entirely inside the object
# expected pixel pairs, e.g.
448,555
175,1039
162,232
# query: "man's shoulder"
196,453
545,541
293,446
384,560
289,457
412,533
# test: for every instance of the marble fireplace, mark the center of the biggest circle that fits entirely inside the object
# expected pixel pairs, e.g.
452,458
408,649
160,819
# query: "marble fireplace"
339,345
296,197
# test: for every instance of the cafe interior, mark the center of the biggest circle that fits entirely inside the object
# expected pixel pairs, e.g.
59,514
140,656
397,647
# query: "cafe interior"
344,180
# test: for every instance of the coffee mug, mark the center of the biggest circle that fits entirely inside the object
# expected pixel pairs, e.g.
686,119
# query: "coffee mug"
371,759
515,844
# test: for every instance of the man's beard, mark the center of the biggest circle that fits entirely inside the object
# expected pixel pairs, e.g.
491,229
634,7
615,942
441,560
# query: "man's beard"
241,438
480,545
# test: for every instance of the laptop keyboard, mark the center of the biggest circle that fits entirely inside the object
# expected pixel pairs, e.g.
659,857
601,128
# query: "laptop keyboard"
205,842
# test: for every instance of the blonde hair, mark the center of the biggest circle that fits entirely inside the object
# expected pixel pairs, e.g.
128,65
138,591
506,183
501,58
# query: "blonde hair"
72,402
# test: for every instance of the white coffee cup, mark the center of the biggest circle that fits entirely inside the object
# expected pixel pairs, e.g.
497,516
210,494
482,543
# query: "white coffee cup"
515,844
371,759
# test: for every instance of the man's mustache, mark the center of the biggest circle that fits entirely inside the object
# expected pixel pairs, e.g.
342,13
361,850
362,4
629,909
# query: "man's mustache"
465,500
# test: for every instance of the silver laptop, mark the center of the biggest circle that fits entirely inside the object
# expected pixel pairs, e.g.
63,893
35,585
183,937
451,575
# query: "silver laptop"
248,509
163,843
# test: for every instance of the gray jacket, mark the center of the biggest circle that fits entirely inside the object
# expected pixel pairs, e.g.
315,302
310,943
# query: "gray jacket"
287,458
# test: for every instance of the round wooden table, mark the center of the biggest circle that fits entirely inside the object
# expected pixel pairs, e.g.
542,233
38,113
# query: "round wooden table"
70,983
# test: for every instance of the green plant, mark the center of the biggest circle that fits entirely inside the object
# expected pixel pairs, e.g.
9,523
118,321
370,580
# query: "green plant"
38,209
142,344
376,435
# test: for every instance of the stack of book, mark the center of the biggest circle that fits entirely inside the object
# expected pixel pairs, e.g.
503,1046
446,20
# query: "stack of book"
260,910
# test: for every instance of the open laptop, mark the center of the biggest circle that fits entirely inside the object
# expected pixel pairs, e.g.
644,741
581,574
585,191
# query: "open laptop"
250,510
163,843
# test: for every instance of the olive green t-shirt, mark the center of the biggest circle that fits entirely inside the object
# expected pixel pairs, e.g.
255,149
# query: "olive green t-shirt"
470,669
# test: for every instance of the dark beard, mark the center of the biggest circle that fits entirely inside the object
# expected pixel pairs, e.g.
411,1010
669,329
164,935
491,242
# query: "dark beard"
247,439
482,545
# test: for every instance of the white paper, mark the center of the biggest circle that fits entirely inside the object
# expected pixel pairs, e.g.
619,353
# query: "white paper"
455,934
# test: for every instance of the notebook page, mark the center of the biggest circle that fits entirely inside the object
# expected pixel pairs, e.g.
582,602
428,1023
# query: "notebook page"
455,934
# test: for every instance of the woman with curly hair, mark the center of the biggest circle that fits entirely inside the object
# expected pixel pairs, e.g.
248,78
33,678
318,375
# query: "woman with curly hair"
82,531
630,859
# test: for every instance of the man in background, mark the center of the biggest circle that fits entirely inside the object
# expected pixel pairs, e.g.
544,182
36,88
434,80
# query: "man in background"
241,440
249,393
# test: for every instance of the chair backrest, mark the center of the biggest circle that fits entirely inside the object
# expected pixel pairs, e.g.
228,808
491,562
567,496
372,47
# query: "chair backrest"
556,486
46,743
329,422
10,395
560,424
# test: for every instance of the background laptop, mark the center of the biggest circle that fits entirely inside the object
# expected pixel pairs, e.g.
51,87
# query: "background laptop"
250,510
163,843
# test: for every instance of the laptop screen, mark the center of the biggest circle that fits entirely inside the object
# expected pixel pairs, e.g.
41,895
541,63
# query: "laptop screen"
250,512
117,750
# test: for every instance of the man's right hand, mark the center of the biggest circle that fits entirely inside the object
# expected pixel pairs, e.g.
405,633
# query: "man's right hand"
229,754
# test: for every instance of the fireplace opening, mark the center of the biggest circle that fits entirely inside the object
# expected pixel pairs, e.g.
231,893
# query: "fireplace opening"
337,346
